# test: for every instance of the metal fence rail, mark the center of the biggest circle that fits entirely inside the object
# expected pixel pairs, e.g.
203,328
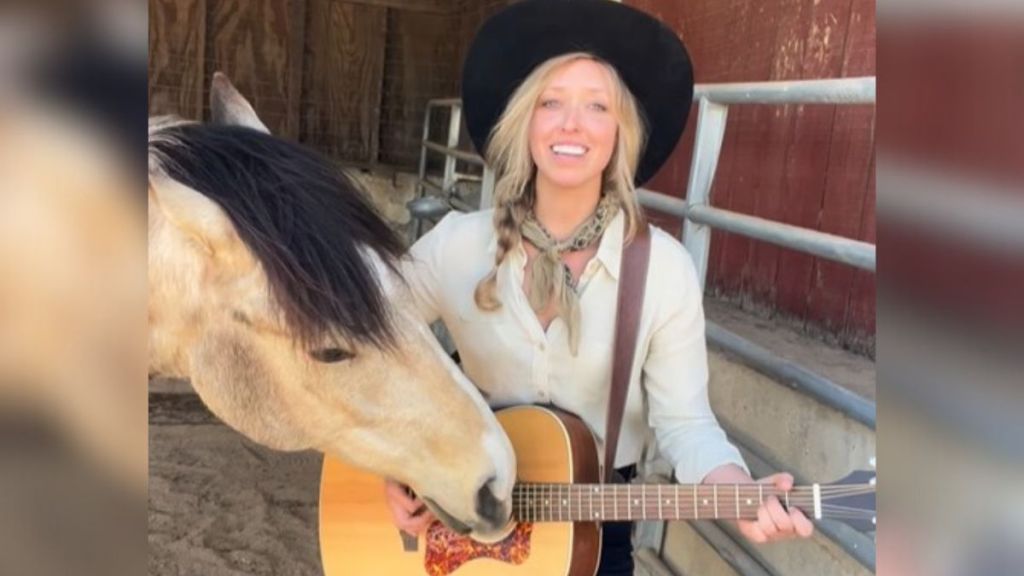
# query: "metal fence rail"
830,246
422,208
793,375
713,109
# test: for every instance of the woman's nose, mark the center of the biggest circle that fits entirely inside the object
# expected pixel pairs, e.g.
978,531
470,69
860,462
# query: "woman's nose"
569,121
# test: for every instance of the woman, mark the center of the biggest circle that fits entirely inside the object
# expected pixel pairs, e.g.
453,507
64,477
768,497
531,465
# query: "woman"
575,103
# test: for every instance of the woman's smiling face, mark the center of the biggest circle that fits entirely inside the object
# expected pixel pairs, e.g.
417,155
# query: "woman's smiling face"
574,126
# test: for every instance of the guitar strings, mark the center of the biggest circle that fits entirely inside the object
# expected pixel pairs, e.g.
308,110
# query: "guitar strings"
533,501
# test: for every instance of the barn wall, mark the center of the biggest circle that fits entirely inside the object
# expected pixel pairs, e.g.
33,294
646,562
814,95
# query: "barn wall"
350,78
811,166
421,49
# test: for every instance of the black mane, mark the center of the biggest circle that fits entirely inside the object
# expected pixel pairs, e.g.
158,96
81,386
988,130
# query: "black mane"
302,218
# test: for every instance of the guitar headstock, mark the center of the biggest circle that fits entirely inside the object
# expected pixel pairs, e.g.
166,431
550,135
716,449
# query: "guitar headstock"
851,500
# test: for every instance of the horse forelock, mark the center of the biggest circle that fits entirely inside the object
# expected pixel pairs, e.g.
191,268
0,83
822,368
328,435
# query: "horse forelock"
306,222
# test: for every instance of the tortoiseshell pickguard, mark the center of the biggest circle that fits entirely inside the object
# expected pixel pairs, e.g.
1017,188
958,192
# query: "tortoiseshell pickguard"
446,551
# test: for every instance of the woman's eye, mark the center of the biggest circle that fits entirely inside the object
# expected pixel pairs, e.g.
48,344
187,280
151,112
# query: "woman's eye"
599,107
331,355
549,103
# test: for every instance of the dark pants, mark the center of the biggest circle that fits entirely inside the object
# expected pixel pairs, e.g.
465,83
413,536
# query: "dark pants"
616,542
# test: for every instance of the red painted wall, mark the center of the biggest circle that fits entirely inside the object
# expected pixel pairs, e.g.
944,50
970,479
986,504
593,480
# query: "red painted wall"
811,166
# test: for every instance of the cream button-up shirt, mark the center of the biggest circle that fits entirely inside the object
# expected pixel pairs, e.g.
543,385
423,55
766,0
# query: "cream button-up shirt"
513,360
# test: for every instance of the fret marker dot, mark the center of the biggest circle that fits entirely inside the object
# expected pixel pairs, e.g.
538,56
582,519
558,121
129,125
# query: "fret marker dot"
668,501
749,501
636,502
596,490
705,501
565,502
597,514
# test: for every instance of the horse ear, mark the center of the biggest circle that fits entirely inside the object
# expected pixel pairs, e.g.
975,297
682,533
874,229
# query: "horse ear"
229,107
195,215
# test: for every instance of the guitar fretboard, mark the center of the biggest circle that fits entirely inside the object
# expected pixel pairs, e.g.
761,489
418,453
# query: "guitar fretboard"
613,502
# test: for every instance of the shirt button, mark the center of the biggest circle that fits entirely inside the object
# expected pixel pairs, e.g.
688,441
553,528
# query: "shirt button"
541,346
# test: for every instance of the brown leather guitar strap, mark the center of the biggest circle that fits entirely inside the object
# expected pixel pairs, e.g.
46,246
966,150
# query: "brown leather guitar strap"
632,279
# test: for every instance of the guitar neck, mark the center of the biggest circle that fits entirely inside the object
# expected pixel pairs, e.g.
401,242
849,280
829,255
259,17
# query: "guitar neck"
626,502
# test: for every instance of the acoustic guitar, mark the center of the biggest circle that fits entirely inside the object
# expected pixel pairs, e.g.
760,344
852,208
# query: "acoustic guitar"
557,506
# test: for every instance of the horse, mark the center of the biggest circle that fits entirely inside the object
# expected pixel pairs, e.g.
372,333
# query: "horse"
278,291
72,294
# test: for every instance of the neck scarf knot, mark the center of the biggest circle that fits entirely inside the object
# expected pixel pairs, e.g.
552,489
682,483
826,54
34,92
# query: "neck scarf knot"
550,277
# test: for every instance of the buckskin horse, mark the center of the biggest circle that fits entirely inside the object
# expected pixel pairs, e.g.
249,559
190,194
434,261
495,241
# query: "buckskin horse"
276,289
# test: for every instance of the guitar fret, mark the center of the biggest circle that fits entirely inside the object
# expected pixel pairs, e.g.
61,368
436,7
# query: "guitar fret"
660,515
676,490
544,512
615,502
539,502
714,488
533,503
532,492
579,504
549,502
562,501
643,500
737,501
696,510
534,510
525,502
629,500
591,499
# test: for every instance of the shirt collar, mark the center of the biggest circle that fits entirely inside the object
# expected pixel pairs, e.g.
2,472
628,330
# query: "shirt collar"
609,251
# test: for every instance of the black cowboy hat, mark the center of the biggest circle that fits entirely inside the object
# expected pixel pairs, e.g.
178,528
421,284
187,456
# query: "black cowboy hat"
648,56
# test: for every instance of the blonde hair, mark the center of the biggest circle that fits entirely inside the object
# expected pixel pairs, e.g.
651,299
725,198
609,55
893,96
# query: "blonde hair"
508,154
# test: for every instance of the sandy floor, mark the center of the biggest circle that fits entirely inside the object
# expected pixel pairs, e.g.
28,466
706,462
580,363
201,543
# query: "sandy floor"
221,505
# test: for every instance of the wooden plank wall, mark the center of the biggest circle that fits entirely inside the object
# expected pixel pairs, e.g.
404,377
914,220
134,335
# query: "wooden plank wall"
177,35
811,166
420,64
348,77
342,79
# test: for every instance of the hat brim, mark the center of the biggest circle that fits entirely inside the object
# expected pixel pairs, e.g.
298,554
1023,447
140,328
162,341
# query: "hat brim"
648,56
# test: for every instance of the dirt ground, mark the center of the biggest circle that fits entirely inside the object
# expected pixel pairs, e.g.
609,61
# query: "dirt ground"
220,505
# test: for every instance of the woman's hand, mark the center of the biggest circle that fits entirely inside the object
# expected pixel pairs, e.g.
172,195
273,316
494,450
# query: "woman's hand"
773,521
407,512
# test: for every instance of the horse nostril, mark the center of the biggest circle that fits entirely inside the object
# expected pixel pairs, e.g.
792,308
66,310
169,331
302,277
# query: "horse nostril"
488,506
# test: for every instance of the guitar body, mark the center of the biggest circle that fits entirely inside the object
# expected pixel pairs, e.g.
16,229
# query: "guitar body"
357,536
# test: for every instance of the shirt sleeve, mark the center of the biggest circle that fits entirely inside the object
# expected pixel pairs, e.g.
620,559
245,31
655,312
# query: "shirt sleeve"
675,377
423,269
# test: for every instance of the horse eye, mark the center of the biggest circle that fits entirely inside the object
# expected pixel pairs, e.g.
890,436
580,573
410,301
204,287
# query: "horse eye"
331,355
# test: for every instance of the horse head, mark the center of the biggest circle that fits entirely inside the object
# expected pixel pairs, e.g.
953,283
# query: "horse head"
276,288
